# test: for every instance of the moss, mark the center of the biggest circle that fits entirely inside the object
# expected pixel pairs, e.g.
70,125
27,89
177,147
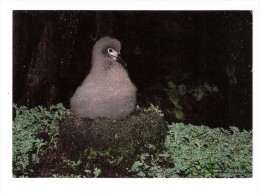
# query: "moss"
120,140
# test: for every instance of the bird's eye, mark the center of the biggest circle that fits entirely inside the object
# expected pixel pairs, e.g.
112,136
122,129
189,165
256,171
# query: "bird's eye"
110,50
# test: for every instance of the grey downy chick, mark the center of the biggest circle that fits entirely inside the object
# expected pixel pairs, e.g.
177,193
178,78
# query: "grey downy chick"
107,91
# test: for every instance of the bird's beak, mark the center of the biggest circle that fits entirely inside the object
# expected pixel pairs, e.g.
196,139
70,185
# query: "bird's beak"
121,61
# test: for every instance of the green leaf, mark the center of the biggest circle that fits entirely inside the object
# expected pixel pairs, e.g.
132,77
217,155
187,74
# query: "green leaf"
198,167
177,165
97,172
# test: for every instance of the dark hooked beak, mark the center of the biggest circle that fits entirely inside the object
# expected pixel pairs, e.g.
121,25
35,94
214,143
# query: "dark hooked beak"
121,61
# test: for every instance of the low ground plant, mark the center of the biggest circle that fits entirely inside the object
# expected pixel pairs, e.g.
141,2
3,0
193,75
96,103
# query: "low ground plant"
188,151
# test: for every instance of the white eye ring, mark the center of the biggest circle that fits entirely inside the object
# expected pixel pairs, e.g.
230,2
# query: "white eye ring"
110,50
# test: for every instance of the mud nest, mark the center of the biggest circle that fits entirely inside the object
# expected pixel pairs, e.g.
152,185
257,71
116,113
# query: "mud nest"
141,132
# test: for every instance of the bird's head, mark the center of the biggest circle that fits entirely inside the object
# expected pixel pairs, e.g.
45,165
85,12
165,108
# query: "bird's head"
107,51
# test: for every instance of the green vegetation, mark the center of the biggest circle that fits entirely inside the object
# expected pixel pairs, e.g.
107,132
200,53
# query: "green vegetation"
35,135
198,151
114,144
175,94
187,151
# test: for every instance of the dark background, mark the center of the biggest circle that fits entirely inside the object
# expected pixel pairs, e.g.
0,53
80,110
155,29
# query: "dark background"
52,54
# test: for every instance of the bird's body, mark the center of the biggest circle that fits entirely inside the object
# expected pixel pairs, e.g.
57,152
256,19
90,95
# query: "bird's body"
107,91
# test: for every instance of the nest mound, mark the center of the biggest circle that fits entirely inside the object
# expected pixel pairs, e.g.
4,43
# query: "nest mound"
139,132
